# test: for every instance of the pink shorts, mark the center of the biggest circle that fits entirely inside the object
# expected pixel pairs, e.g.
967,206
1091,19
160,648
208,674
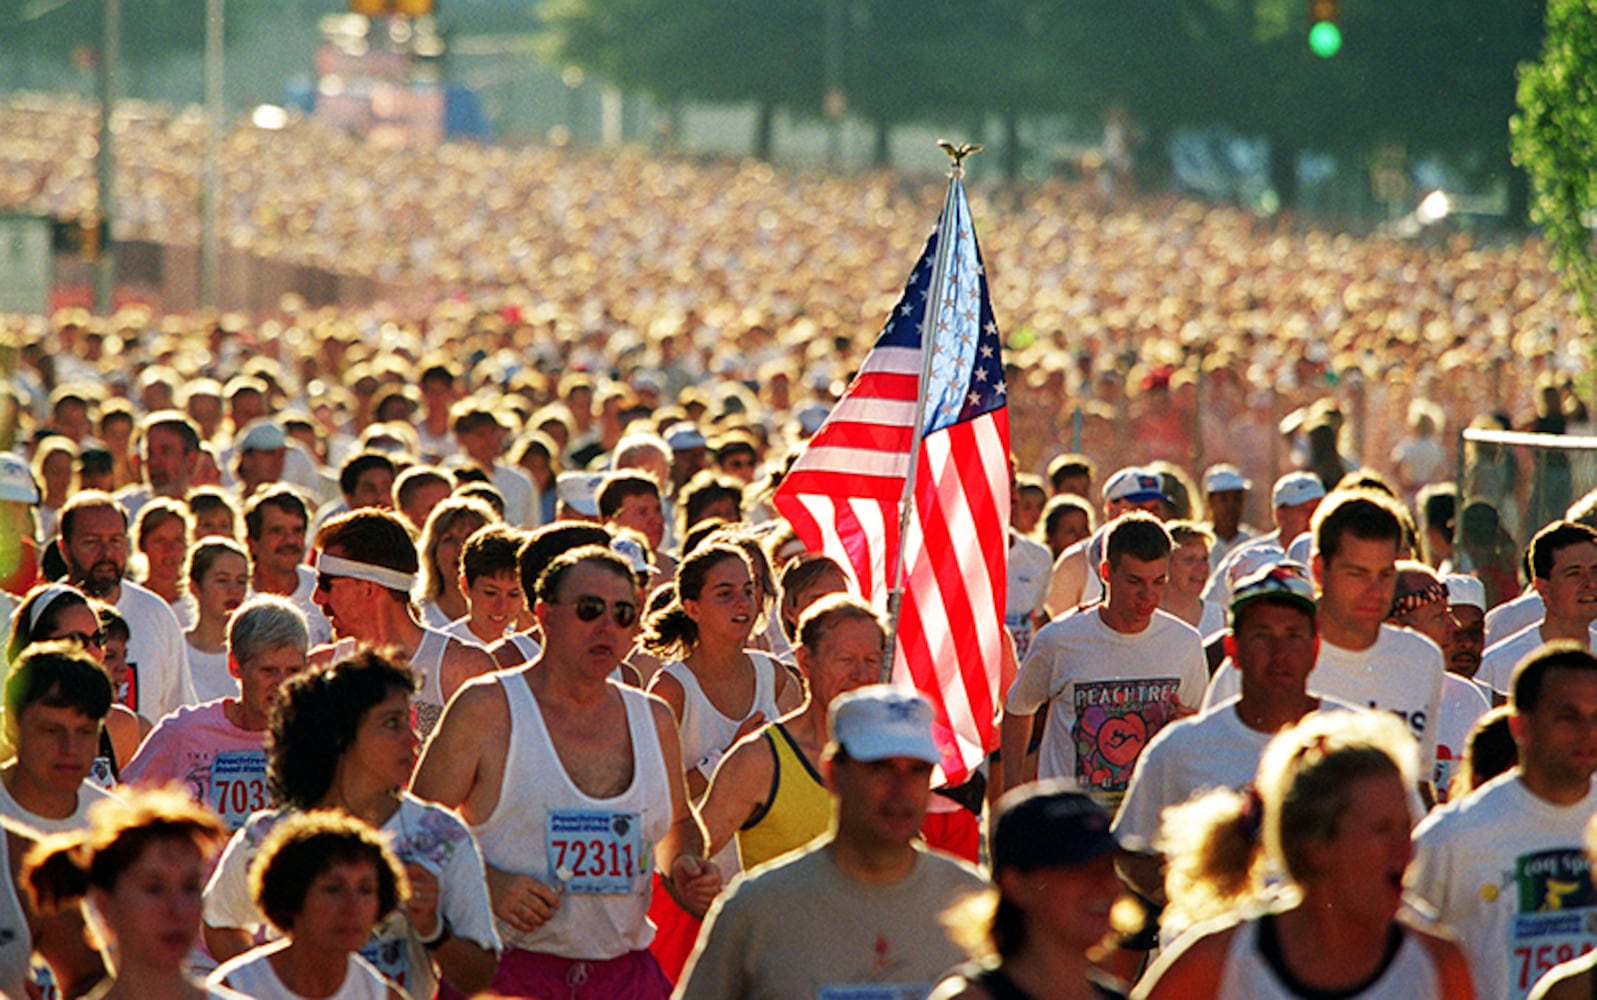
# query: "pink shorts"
633,976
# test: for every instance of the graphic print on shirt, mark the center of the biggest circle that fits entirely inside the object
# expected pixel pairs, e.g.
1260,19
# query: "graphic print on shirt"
1555,913
1114,721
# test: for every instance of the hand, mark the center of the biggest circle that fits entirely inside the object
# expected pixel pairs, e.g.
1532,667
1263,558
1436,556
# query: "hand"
422,906
694,883
521,901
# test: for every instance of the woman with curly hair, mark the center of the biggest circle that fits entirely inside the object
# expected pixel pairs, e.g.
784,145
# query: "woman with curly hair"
324,880
341,739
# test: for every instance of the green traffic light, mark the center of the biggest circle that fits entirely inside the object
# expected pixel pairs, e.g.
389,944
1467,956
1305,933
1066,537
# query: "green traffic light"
1325,39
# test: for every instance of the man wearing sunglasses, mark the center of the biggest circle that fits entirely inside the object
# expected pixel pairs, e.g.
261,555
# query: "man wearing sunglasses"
573,785
366,565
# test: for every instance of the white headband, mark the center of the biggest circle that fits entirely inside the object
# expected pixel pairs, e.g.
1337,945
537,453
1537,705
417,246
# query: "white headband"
383,576
46,597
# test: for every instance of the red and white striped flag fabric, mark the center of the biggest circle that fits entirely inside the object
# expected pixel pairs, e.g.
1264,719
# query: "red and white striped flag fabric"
844,493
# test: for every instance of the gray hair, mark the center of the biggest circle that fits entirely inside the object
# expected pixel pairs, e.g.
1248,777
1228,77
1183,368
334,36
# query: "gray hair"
633,445
265,622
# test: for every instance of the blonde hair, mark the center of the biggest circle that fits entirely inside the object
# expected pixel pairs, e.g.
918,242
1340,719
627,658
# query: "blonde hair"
1220,844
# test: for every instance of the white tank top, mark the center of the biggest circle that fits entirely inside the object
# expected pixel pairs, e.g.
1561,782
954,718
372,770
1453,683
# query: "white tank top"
1253,970
597,852
251,974
525,645
16,940
704,731
428,662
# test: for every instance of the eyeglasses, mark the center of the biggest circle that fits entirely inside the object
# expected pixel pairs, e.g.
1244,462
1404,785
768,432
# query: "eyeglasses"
588,608
86,638
324,581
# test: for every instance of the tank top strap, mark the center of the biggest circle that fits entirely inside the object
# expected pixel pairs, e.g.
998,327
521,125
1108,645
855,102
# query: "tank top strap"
765,669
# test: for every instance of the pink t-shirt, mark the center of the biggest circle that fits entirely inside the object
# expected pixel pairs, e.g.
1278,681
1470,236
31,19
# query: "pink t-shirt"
222,765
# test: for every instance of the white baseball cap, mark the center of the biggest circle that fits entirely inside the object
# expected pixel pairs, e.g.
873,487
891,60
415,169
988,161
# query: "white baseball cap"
881,721
16,481
1224,477
1295,488
1463,589
580,491
1135,484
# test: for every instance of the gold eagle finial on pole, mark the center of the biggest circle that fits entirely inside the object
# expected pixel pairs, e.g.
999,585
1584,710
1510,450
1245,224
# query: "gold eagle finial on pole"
957,152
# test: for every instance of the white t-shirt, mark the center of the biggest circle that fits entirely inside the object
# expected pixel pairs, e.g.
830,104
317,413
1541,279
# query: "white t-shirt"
158,674
1108,692
88,794
1499,659
304,598
1509,617
209,675
1463,702
1030,566
222,765
1505,870
522,509
251,973
1211,750
1401,673
421,833
1061,602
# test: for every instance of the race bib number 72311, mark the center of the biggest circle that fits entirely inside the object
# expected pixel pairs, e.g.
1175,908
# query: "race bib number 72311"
596,850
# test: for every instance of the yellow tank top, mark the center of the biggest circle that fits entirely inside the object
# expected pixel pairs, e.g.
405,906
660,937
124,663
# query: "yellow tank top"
798,809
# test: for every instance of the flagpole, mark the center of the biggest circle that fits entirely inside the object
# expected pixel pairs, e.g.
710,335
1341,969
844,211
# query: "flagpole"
936,292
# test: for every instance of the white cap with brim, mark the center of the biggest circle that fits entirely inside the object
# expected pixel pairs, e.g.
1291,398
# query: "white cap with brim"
263,435
1224,478
684,436
580,491
1135,485
882,721
16,481
1295,488
1463,589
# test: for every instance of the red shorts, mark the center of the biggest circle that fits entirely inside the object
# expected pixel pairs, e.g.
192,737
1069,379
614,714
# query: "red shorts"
675,932
633,976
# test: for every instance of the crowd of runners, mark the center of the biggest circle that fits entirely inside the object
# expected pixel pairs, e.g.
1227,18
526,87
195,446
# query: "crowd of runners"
1290,712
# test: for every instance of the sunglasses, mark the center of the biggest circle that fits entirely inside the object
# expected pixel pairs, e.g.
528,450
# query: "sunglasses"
588,608
86,638
324,581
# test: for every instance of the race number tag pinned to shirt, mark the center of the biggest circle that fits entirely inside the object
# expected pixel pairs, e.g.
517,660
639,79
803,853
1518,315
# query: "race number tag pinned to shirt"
238,785
596,850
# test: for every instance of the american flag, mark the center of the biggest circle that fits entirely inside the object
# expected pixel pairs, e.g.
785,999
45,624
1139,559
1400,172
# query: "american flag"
844,494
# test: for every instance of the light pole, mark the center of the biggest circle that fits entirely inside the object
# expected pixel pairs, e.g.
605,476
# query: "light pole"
105,156
211,192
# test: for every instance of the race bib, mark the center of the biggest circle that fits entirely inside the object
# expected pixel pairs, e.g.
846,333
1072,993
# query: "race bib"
1557,914
596,851
238,785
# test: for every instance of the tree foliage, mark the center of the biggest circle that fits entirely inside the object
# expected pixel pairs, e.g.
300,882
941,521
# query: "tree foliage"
1431,76
1554,136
